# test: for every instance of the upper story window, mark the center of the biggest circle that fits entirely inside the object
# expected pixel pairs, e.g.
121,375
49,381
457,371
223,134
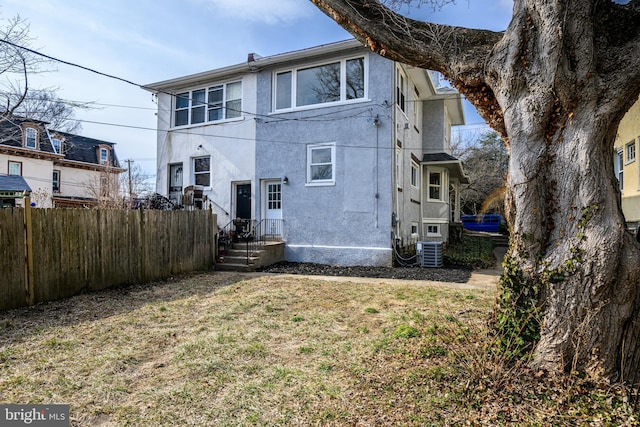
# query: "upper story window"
619,168
401,91
30,138
15,168
415,181
339,81
321,162
57,145
56,181
631,151
210,104
104,156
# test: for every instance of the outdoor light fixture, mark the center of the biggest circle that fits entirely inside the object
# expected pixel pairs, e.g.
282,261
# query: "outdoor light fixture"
285,180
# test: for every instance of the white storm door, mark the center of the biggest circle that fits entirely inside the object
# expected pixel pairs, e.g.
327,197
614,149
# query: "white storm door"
273,200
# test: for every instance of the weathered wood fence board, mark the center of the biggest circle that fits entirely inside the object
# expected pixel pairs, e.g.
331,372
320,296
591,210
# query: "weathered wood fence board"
76,250
12,261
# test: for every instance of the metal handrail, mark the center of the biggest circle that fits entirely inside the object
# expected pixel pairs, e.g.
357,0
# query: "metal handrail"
253,233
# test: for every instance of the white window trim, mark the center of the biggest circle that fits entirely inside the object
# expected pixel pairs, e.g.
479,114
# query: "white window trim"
53,180
402,87
206,105
626,152
324,182
437,233
35,137
104,161
619,168
416,168
343,77
194,173
15,163
444,185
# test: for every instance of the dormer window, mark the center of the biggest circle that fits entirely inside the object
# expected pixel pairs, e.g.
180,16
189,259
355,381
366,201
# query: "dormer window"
31,138
57,145
104,156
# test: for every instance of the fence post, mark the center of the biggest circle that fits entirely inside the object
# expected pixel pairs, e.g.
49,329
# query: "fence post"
28,248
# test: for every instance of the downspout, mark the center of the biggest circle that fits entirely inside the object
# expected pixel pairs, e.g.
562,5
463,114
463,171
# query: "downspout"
376,122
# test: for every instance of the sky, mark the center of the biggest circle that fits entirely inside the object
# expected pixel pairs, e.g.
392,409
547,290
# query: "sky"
146,41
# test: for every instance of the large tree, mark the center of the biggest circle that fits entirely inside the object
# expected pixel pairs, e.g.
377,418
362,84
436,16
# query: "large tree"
555,84
18,67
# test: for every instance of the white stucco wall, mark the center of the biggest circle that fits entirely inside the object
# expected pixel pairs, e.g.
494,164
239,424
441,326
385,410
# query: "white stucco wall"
231,145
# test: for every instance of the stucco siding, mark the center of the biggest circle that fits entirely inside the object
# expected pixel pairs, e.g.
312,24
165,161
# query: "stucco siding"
346,222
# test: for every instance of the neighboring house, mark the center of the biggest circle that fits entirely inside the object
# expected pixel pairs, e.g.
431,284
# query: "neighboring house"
626,165
339,150
13,190
62,169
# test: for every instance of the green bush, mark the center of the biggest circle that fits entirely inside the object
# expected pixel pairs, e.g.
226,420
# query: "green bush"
471,252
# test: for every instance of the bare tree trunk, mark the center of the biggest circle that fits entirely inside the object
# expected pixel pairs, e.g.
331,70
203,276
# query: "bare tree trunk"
555,84
569,238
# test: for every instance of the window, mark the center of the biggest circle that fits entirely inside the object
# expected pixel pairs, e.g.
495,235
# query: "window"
57,145
417,110
274,195
104,156
414,175
30,138
401,91
202,171
631,151
175,180
399,167
414,228
15,168
56,181
212,104
618,166
321,164
338,81
433,230
436,188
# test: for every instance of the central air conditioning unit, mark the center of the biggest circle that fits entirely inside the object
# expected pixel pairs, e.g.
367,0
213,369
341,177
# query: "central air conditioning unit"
429,254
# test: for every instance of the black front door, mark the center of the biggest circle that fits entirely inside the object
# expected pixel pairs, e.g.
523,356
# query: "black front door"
243,201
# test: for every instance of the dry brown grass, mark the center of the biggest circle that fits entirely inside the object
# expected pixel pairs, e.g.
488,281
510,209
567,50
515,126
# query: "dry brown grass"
228,350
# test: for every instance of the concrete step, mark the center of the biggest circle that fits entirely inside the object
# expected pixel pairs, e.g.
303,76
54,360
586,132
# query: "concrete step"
224,266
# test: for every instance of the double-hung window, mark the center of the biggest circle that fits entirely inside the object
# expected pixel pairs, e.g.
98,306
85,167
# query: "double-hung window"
436,186
15,168
202,171
321,162
619,167
339,81
31,138
56,181
104,156
631,151
415,179
215,103
401,91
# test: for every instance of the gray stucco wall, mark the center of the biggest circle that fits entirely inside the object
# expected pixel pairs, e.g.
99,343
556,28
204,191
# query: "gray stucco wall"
348,223
433,119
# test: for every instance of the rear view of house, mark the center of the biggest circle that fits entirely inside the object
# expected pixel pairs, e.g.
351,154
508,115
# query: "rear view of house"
341,153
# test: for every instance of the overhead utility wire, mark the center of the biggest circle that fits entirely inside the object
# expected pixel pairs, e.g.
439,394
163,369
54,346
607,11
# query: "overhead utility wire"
269,117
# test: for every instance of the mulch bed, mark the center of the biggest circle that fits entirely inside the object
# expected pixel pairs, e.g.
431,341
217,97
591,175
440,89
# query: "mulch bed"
457,275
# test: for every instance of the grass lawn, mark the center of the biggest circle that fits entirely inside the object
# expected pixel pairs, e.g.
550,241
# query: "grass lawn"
229,350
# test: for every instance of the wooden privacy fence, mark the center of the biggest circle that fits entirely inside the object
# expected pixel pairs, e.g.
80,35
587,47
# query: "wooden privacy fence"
49,254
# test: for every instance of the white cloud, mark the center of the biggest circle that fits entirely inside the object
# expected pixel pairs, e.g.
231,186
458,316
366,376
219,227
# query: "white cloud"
267,11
